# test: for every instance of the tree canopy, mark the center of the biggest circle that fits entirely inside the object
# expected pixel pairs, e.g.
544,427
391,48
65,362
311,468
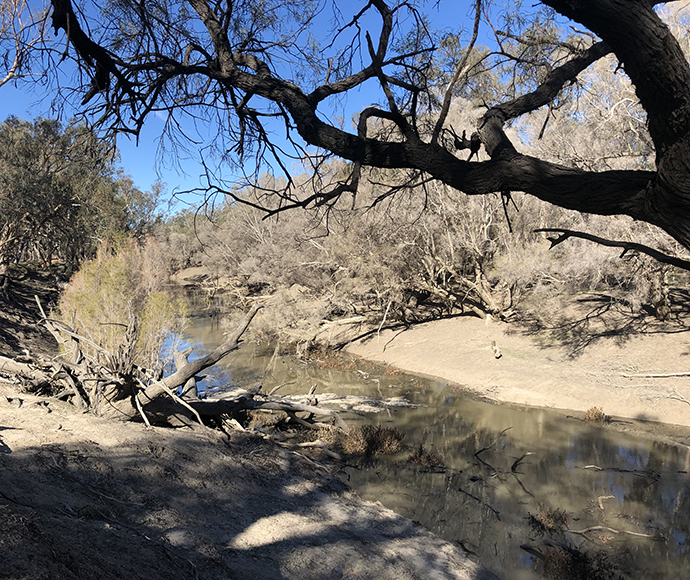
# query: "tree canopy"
268,75
61,194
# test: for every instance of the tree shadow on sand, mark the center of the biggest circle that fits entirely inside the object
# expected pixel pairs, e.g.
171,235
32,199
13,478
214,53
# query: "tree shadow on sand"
170,505
600,316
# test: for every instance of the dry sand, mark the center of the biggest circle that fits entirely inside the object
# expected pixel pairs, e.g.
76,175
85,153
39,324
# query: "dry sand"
84,498
530,372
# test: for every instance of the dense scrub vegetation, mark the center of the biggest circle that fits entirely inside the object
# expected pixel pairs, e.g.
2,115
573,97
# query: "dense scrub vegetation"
399,254
64,205
428,254
119,292
379,244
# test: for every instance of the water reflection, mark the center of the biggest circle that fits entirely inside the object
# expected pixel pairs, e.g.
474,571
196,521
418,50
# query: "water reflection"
605,481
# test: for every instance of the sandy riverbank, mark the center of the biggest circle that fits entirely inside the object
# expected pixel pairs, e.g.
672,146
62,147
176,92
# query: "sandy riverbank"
84,498
535,371
81,497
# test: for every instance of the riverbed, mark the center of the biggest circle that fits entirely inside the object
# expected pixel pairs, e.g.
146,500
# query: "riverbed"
513,478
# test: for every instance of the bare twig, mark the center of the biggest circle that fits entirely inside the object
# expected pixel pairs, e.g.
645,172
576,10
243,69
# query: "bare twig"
317,444
474,497
613,531
280,386
519,460
447,98
140,408
655,375
602,498
383,321
501,434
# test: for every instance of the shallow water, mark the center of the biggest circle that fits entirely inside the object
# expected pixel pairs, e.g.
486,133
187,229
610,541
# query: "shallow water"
483,498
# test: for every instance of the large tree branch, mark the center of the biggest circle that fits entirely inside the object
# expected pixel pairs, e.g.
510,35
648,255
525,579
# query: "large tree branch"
632,29
654,61
182,375
553,83
608,193
491,125
651,56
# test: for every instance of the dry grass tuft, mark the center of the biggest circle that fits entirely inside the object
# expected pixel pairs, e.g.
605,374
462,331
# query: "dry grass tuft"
596,415
332,437
570,563
373,440
265,420
428,458
548,520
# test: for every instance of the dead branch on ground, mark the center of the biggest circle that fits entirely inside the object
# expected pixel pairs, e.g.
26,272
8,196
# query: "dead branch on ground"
112,385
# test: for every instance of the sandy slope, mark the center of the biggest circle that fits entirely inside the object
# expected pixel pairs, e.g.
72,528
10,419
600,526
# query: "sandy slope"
85,498
530,372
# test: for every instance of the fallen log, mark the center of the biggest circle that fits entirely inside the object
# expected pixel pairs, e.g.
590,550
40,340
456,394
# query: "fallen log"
114,387
181,376
355,403
37,375
190,389
242,402
10,366
125,409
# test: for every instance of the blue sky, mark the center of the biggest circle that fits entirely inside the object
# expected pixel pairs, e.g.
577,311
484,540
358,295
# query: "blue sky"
142,161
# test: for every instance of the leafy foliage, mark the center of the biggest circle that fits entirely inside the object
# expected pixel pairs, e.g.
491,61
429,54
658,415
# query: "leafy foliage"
61,194
121,284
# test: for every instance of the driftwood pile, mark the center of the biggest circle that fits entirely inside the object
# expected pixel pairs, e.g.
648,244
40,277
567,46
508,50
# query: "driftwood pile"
111,385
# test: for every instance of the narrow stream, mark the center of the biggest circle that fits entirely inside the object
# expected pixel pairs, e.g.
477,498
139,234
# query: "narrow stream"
632,490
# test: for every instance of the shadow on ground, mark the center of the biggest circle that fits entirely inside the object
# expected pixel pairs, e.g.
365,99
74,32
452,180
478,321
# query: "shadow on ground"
598,316
129,503
19,314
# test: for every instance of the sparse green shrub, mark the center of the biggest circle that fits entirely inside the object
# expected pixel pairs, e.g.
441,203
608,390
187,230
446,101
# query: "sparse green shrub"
120,282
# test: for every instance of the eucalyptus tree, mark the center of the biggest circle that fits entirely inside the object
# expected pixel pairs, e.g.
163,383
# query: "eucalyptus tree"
267,76
61,194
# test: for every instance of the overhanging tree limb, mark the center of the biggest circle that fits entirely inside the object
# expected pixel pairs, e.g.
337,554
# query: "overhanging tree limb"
626,246
164,77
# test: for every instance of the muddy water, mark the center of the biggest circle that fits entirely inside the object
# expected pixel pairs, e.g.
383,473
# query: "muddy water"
628,496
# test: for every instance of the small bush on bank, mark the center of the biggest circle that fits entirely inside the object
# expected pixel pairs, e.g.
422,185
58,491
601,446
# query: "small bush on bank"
596,415
122,283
